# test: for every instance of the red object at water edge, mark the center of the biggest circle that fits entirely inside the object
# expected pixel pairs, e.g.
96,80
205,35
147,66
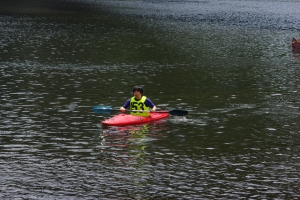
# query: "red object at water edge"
296,44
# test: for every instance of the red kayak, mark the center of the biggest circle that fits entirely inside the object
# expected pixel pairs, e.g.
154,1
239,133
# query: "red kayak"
127,119
296,44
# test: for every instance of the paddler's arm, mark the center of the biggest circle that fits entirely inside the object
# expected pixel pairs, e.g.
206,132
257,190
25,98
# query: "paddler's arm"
126,105
149,103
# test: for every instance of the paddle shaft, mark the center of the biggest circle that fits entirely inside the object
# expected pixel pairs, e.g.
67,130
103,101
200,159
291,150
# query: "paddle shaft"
141,111
107,109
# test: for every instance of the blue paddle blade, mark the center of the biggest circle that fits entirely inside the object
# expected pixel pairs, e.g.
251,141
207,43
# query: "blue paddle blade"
102,109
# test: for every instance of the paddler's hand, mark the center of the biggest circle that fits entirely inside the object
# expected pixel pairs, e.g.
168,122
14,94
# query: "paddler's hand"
122,109
153,109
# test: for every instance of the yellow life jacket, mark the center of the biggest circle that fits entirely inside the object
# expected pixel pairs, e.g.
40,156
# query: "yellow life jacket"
139,105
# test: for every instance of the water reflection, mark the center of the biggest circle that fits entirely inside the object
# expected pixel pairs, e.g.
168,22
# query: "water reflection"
127,136
128,148
296,56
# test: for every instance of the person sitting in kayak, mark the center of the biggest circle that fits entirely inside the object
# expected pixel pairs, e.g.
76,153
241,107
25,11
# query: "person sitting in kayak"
139,102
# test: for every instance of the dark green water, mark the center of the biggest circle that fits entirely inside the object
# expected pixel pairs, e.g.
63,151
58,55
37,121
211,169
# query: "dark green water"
229,63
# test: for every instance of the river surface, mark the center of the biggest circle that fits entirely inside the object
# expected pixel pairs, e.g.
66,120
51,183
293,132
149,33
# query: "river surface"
229,63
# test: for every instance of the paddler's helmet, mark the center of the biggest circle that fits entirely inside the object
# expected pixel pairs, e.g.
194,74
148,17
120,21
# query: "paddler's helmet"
138,88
